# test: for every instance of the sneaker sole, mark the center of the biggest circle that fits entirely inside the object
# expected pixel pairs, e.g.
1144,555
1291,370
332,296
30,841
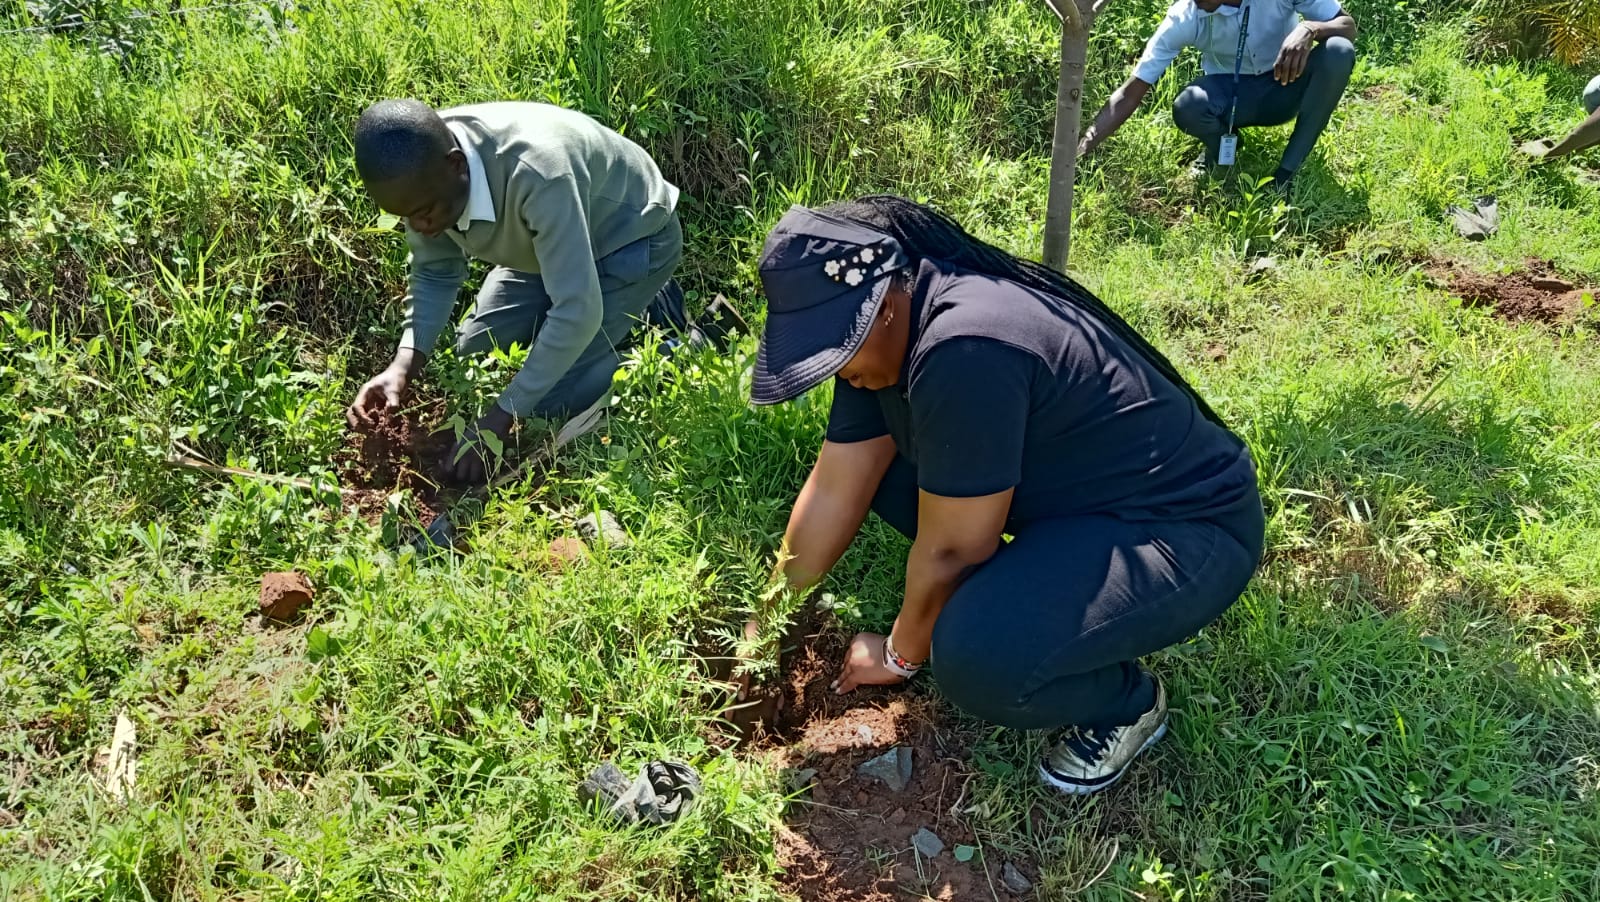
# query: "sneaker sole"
1084,789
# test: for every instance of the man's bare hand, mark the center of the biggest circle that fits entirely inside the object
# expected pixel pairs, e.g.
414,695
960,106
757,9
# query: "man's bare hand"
381,396
1294,55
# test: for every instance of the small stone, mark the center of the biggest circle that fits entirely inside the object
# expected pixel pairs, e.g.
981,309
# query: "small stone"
892,767
284,594
1261,268
927,844
1015,881
800,778
563,552
895,818
863,735
604,525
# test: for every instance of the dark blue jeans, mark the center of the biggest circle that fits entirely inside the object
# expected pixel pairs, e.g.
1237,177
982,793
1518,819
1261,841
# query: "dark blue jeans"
1047,633
1202,109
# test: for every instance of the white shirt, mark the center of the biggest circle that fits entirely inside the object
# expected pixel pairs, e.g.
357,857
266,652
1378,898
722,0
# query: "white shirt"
480,203
1216,35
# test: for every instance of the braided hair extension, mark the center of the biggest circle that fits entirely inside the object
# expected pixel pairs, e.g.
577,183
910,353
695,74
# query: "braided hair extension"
925,232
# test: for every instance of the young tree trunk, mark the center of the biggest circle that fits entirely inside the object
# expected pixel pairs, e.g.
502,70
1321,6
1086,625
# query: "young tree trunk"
1077,18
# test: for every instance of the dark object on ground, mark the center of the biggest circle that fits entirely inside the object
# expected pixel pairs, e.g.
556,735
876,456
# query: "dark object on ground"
666,309
719,322
284,594
1014,880
1479,222
662,792
892,767
439,536
927,843
603,525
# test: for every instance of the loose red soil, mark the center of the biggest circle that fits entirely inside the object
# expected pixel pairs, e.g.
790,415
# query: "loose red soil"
390,455
1536,293
848,837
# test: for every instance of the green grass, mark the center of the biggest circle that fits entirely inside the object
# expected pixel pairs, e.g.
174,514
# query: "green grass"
1402,706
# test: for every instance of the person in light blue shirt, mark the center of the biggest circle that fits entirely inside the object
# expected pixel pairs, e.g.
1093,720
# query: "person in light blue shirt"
1298,55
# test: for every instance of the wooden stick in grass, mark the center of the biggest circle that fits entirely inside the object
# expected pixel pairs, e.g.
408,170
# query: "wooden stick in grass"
299,482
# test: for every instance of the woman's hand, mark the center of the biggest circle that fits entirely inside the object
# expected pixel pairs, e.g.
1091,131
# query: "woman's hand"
863,665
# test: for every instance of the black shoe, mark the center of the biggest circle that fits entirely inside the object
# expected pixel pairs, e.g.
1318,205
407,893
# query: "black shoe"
666,309
718,324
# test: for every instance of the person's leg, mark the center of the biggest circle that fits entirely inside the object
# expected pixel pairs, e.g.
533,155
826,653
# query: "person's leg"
1201,110
510,308
1047,633
1326,76
627,292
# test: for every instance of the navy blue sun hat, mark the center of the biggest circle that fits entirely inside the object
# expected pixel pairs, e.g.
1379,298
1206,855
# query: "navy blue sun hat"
825,279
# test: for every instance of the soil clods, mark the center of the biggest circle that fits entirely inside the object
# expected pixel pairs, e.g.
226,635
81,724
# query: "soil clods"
1536,293
394,453
284,594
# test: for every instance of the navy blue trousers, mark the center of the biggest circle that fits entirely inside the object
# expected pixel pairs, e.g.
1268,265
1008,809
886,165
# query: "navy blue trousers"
1047,632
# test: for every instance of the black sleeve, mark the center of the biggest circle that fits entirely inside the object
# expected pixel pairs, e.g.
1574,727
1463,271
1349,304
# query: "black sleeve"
969,412
855,416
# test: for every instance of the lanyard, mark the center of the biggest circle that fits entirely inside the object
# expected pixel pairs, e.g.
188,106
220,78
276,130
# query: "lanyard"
1238,61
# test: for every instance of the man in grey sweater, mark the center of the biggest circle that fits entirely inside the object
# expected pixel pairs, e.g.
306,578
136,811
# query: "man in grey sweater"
578,221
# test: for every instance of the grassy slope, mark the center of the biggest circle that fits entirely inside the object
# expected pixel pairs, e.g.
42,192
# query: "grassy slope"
1404,703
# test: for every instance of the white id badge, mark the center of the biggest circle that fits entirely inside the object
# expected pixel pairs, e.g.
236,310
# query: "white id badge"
1227,149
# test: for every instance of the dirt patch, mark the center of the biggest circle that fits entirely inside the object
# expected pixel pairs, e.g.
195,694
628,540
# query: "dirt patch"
284,594
1535,293
851,838
395,454
848,836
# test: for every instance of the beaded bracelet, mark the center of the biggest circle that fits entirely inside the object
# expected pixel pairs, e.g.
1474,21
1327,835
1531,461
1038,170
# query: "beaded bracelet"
896,662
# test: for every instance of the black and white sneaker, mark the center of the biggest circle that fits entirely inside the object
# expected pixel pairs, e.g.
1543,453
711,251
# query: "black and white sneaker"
1085,760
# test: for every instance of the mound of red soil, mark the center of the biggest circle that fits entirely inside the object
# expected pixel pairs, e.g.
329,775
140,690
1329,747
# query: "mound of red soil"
393,454
1535,293
284,594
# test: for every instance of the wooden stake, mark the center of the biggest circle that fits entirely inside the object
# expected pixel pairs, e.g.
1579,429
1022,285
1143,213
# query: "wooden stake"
1077,18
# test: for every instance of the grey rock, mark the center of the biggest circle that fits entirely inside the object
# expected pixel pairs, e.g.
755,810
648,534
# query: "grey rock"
927,844
603,525
800,778
1261,268
1015,880
892,767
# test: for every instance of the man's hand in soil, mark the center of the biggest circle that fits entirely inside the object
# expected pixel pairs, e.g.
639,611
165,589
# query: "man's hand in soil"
380,396
383,393
863,665
472,458
1292,58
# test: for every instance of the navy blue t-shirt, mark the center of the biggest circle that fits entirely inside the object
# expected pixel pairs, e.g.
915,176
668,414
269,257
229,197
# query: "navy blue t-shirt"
1006,387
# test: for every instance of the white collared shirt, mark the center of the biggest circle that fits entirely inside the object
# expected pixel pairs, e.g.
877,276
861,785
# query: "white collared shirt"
480,203
1216,35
